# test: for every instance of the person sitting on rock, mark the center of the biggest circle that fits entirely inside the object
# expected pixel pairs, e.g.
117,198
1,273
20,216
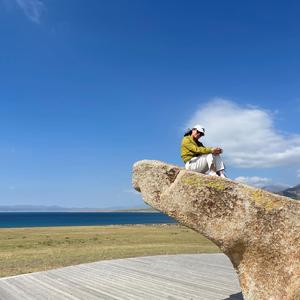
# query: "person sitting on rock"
199,158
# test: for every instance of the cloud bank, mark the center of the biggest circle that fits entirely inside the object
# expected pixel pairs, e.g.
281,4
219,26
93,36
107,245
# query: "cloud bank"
247,135
32,9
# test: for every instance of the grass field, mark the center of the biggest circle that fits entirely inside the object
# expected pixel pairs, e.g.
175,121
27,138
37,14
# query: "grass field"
25,250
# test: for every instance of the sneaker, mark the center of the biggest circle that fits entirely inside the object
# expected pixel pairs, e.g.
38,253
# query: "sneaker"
222,174
212,173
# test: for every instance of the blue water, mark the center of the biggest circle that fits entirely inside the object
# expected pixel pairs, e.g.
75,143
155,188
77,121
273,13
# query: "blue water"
47,219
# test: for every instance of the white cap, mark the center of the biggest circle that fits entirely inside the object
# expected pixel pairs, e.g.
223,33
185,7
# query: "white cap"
199,128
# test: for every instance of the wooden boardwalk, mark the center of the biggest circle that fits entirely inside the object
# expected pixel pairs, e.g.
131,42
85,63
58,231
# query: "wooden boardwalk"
196,276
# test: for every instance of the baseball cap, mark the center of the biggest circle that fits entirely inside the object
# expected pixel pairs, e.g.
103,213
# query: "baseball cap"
199,128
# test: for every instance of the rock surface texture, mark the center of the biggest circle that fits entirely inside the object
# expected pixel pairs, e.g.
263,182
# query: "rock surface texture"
259,231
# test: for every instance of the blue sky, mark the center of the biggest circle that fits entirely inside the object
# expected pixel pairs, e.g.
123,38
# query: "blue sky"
89,87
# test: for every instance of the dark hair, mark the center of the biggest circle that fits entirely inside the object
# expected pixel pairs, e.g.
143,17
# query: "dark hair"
188,132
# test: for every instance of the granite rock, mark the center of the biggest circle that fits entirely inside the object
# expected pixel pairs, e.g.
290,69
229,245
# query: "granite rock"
258,231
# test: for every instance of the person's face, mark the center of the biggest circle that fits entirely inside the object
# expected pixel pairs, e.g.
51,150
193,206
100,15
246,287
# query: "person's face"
196,134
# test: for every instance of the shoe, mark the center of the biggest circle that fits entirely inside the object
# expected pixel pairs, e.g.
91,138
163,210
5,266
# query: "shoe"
212,173
222,174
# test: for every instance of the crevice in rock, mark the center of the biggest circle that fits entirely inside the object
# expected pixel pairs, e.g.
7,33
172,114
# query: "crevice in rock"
172,174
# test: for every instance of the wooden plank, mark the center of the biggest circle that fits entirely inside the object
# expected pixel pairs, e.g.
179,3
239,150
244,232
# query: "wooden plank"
186,276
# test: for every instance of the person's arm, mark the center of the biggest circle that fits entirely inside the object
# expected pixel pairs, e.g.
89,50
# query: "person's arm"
194,148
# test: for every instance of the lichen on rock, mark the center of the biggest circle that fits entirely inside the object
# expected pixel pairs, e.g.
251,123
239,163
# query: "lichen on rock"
261,199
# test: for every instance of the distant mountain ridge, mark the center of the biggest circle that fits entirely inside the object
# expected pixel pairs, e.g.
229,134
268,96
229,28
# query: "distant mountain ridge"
291,192
55,208
40,208
276,188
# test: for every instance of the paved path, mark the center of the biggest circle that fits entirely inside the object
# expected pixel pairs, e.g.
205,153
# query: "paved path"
186,276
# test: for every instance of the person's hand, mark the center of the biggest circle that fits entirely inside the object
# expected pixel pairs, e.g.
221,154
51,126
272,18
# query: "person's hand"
217,151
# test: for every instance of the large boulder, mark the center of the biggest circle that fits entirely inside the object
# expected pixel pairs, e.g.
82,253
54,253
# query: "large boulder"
259,231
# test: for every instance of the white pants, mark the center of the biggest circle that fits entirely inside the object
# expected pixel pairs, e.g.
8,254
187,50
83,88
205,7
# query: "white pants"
203,163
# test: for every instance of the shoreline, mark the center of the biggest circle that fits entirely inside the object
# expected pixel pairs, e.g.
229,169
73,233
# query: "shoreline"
93,226
59,219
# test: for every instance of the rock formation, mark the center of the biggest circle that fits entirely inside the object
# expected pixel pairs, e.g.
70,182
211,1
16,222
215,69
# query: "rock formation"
259,231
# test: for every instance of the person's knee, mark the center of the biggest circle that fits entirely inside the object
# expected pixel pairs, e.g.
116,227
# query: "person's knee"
210,156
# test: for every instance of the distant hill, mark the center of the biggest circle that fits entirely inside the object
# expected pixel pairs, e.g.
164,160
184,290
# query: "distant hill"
54,208
40,208
293,192
275,188
145,209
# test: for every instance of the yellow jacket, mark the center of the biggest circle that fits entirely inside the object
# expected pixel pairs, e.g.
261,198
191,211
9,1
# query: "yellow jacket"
191,148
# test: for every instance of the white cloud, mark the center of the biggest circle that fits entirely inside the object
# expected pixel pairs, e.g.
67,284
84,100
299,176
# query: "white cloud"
254,180
298,173
32,9
247,135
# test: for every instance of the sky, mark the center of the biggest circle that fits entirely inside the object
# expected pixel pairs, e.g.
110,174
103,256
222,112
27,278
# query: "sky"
87,88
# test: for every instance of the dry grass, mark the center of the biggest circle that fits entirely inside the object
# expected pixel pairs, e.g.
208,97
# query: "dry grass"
25,250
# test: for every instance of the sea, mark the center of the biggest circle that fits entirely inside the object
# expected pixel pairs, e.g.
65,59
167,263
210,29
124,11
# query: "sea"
49,219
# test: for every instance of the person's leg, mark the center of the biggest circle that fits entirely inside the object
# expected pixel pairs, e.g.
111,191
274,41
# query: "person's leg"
207,164
220,167
198,164
203,164
218,163
212,170
215,165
